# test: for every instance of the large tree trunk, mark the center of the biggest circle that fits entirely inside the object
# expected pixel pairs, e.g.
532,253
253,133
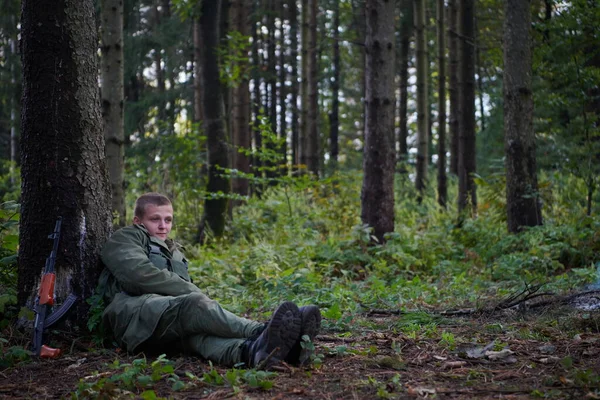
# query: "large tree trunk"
377,197
523,206
62,151
240,105
453,83
467,195
441,163
422,98
215,209
313,151
334,118
112,102
406,31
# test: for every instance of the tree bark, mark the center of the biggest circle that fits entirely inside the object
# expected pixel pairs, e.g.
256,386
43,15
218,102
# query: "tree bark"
406,31
523,207
215,209
441,163
422,98
467,192
240,105
283,77
377,197
293,9
198,90
313,151
334,118
304,34
453,89
112,103
62,150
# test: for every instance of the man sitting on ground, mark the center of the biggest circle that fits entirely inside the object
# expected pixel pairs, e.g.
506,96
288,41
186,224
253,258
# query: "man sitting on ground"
151,301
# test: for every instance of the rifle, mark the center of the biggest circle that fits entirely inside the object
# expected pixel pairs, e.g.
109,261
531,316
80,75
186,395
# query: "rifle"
45,301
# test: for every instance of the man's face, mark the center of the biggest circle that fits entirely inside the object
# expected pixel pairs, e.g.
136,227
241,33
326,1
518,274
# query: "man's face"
157,219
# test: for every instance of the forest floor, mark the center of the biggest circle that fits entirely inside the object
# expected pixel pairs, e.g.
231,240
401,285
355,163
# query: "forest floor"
540,353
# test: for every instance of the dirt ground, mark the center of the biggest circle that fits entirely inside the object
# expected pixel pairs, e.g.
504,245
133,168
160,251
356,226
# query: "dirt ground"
525,358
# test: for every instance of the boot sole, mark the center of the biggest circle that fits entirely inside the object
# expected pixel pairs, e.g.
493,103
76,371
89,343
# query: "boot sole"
282,332
311,324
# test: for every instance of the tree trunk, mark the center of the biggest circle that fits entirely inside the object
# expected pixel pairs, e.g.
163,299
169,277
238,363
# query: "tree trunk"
422,98
523,207
215,209
453,89
467,195
359,25
313,154
240,106
406,31
304,87
256,100
334,118
293,9
441,163
158,69
377,197
283,77
62,150
272,87
198,90
112,103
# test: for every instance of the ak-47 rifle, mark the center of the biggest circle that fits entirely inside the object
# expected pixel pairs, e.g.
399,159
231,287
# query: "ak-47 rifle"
44,318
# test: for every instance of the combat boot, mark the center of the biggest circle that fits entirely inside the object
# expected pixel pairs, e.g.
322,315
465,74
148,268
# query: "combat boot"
311,324
278,336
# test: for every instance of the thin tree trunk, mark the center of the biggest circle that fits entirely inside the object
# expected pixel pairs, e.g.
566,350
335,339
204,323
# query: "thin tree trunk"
467,194
422,98
112,103
198,91
313,154
453,88
304,87
272,85
240,106
377,196
441,163
282,90
335,88
293,8
158,69
523,207
256,101
406,31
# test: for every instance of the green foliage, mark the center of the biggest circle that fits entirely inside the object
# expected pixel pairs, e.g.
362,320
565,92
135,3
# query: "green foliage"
130,380
233,59
12,355
9,220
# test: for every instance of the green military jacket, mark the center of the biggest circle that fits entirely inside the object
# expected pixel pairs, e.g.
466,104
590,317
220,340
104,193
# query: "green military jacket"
143,275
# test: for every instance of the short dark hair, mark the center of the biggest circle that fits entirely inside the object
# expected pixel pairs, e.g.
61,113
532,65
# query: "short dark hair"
146,199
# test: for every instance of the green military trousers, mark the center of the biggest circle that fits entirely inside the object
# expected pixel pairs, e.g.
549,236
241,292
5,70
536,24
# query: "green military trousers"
201,326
